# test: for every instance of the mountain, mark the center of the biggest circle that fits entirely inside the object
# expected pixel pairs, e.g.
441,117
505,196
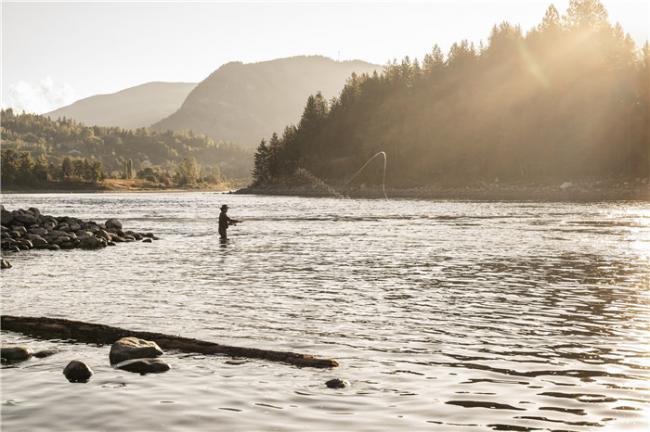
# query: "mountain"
130,108
243,103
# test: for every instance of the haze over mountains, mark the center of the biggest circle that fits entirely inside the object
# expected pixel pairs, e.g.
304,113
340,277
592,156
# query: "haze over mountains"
131,108
244,103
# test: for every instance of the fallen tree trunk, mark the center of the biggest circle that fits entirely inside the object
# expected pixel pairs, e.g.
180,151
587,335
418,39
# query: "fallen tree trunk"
54,328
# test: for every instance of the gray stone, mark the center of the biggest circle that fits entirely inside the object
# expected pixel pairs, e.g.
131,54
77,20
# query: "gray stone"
91,243
113,224
77,372
38,231
129,348
4,264
25,218
7,217
54,247
15,353
143,365
45,353
104,234
337,383
147,240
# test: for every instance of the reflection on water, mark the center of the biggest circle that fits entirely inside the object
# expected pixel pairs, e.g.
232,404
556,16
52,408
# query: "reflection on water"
443,315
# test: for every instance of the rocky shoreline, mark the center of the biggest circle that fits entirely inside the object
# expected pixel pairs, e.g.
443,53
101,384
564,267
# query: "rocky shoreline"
565,192
30,229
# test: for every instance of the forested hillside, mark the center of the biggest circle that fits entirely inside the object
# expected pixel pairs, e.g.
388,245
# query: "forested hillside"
131,108
568,100
242,103
36,149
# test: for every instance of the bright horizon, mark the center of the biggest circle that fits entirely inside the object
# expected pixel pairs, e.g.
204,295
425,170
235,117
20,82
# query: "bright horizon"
98,48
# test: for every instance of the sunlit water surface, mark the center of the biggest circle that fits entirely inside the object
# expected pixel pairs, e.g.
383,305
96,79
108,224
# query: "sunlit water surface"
443,315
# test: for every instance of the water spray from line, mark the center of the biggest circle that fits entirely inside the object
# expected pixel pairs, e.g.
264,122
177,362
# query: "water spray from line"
383,175
302,172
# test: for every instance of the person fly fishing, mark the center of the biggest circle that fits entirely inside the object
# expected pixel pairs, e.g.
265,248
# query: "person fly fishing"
225,222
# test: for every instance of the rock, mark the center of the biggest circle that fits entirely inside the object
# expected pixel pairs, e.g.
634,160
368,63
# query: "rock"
38,241
14,353
21,229
7,217
75,226
91,243
147,240
143,366
150,235
4,264
37,231
25,244
110,243
34,211
113,224
54,247
45,353
25,218
129,348
77,372
67,245
104,234
337,383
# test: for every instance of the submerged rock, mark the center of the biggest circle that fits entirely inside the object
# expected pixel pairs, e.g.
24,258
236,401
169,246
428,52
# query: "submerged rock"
77,372
14,354
143,366
129,348
45,353
147,240
337,383
4,264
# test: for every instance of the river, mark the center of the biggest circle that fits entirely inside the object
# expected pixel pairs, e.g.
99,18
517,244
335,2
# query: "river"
443,315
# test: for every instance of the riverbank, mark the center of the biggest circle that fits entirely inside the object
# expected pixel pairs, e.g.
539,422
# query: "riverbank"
120,185
570,192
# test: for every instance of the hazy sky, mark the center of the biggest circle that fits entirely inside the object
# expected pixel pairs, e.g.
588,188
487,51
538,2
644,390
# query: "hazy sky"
54,53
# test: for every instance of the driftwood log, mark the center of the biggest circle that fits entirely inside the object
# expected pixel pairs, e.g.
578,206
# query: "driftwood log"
54,328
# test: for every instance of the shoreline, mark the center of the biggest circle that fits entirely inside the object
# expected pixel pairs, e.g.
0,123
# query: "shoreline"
579,192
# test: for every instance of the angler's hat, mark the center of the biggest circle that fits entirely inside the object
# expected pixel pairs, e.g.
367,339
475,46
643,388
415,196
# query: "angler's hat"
224,207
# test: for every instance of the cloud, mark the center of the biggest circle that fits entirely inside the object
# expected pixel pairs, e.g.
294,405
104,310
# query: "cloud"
40,98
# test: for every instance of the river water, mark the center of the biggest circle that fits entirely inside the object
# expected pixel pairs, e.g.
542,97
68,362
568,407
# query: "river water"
443,315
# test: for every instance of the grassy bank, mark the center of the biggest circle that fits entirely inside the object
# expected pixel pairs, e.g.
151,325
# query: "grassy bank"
120,185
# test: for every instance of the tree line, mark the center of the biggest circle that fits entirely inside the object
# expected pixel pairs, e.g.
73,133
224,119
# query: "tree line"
567,100
37,150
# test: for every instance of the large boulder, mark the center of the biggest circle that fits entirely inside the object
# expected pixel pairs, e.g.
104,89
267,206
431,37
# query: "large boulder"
92,243
25,218
129,348
112,224
143,365
77,372
14,353
7,217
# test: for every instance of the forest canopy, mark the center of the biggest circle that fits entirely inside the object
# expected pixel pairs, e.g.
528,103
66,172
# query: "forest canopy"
36,149
567,100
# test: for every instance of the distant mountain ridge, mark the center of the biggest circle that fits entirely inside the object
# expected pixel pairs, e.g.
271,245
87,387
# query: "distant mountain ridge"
131,108
244,103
